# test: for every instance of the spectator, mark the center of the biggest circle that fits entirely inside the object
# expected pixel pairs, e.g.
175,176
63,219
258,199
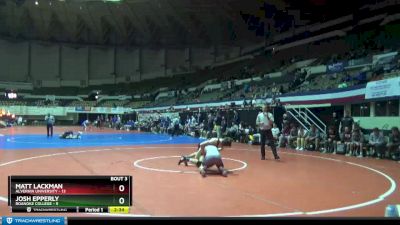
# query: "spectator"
210,125
346,140
331,140
343,85
286,120
357,141
292,135
218,123
236,118
275,131
203,130
376,143
224,125
244,103
278,112
361,77
193,124
283,138
300,139
281,90
19,121
394,143
335,122
241,131
233,131
312,138
244,135
118,123
347,121
129,125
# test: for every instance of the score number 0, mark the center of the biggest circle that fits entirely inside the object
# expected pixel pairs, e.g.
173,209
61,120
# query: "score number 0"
121,200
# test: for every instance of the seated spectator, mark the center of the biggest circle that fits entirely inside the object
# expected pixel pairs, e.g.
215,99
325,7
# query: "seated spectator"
192,124
240,133
394,143
312,138
247,132
376,143
275,131
129,125
292,135
233,131
345,138
203,130
357,141
300,139
361,77
331,140
342,85
283,138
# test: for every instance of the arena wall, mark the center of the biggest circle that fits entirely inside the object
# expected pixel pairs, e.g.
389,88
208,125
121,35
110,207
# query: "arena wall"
13,61
54,65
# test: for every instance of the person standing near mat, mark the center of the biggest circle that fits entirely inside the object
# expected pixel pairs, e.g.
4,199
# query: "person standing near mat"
50,120
264,122
218,123
86,124
175,126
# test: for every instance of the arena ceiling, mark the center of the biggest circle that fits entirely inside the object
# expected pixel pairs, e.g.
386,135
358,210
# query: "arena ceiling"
161,22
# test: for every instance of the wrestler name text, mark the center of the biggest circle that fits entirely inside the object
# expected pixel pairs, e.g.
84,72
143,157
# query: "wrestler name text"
37,198
38,186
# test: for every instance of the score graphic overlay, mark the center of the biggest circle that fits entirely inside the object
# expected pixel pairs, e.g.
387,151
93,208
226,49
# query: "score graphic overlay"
70,194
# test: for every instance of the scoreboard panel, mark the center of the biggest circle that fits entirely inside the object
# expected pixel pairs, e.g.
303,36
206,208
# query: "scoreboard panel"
70,194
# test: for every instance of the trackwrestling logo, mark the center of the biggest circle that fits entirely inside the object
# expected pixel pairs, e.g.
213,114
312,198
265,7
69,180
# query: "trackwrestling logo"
33,220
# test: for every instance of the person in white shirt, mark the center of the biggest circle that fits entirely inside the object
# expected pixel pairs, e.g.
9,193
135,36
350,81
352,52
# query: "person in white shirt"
264,122
275,131
19,121
233,131
85,124
50,120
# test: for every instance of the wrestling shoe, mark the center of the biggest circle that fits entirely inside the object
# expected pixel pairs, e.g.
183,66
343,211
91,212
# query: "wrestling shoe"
277,158
183,160
224,173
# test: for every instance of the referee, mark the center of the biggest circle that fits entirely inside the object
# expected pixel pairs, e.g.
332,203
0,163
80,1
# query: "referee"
264,122
50,123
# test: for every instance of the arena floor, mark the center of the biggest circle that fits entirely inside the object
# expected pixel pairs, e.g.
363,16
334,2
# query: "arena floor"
300,184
